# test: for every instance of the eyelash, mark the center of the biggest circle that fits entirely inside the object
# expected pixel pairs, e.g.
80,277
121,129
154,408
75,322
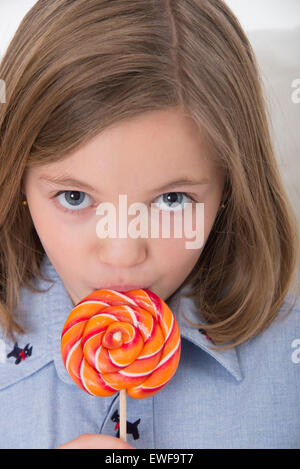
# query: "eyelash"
82,212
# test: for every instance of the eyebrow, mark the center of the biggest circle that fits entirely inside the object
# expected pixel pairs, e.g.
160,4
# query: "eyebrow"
69,181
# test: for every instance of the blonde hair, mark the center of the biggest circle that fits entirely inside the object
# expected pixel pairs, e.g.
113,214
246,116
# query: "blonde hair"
74,68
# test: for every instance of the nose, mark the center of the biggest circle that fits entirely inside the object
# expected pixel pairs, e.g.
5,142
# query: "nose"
122,252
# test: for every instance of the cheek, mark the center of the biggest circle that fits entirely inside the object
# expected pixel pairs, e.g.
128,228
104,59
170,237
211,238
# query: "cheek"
59,241
57,236
196,223
174,253
175,260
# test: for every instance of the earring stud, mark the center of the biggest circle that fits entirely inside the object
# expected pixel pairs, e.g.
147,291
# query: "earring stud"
25,202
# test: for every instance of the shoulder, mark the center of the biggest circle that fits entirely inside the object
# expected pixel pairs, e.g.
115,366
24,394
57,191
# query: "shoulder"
276,350
286,323
286,328
288,317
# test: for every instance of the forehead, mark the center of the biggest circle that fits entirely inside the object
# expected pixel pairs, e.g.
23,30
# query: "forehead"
149,149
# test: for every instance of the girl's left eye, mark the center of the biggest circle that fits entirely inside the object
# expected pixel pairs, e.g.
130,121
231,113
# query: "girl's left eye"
173,201
76,199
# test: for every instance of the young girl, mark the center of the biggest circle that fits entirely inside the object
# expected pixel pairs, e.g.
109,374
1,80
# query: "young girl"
160,101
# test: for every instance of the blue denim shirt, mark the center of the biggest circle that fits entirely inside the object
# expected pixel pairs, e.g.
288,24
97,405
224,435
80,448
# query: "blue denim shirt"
245,397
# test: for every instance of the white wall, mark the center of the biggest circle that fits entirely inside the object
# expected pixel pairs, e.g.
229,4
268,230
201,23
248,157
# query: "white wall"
11,14
266,14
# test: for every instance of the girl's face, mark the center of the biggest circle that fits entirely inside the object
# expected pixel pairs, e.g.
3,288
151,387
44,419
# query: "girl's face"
138,159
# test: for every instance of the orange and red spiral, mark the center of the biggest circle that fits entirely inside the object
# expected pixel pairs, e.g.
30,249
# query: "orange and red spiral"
121,340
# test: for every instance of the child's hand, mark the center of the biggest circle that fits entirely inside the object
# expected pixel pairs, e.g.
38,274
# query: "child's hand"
96,441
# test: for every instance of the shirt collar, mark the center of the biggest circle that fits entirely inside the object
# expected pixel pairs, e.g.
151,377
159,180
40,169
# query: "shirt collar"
179,304
45,315
42,316
57,305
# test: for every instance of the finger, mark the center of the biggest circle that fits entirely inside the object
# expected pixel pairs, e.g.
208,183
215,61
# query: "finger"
93,441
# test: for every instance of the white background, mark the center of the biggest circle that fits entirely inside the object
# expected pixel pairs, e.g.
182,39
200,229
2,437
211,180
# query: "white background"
266,14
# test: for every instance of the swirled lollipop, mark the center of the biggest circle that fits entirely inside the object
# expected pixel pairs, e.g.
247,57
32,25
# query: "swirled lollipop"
115,341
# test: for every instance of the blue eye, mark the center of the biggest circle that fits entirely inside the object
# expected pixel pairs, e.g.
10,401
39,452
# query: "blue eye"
175,202
73,201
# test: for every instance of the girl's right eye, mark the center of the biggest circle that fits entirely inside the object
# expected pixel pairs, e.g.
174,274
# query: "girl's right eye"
76,199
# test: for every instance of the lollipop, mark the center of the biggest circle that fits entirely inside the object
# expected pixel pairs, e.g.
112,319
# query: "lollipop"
121,341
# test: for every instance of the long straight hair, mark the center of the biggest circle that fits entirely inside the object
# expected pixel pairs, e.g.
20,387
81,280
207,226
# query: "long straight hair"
75,67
